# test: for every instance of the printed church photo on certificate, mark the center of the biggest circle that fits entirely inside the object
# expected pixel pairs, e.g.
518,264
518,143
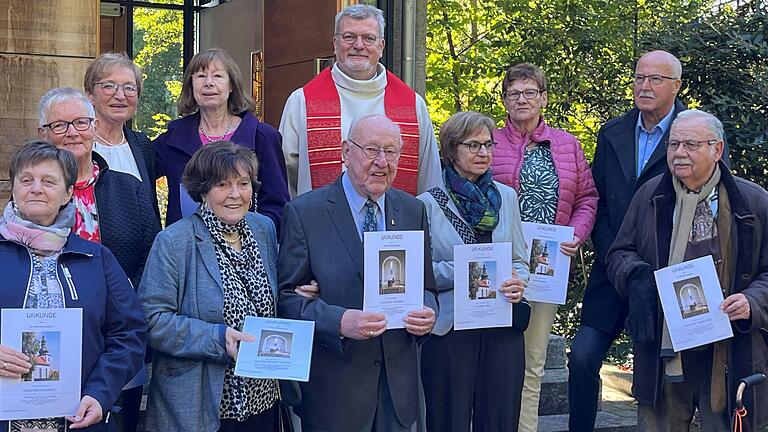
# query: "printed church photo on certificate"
482,280
543,253
44,351
391,272
273,343
690,297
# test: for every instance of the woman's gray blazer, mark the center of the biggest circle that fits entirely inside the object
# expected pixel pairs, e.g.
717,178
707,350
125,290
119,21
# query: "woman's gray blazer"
183,297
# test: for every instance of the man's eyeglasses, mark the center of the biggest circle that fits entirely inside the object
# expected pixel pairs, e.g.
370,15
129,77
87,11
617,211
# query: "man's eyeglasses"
528,94
474,146
689,145
372,152
110,88
351,37
61,127
653,79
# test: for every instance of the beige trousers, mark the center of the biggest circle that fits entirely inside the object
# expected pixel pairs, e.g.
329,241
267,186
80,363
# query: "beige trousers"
536,341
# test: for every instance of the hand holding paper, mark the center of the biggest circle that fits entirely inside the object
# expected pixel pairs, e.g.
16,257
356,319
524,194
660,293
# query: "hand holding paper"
89,412
736,306
513,288
13,363
420,322
361,325
570,248
233,338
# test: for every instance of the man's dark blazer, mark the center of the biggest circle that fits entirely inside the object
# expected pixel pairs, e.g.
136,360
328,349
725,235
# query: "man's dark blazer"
614,169
320,241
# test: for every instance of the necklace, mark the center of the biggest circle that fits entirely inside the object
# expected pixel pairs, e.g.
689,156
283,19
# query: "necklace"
234,240
204,126
122,141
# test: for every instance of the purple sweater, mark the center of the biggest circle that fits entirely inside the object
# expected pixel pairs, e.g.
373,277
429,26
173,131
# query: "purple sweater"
175,147
577,194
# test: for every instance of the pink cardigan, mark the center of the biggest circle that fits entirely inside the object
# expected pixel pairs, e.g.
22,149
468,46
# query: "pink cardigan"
577,202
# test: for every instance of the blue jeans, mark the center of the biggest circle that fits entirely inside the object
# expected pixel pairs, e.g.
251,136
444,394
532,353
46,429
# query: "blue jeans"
584,361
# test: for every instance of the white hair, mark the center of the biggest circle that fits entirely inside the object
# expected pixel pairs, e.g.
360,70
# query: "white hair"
361,12
713,124
61,95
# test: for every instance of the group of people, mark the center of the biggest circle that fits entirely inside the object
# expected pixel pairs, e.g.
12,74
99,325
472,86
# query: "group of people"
356,152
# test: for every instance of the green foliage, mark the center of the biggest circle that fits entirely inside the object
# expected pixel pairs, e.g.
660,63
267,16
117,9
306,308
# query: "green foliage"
725,71
587,49
158,51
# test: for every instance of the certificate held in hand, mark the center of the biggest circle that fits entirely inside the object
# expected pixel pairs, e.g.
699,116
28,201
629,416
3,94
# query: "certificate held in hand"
691,295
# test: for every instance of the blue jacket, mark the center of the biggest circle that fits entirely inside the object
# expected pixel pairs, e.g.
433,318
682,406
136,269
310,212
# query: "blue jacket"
114,331
183,299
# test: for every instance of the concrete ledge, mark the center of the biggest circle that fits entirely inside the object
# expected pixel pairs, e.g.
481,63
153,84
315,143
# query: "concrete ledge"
616,378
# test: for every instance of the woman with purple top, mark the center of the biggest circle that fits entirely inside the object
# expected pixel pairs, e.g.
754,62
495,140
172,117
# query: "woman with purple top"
215,106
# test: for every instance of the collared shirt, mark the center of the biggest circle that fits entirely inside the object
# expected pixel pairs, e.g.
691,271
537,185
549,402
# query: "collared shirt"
357,206
646,142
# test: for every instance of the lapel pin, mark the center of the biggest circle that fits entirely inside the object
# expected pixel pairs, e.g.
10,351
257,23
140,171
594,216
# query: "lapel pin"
392,222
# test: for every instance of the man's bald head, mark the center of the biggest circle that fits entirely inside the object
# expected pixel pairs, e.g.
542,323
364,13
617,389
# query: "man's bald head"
656,83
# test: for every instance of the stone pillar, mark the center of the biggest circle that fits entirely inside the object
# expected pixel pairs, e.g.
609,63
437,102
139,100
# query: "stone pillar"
43,44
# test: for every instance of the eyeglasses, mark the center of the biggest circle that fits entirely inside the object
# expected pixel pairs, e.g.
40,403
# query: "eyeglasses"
528,94
61,127
351,37
372,152
474,146
689,145
654,79
110,88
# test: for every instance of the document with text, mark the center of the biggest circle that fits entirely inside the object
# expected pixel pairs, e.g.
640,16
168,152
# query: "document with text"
690,295
394,274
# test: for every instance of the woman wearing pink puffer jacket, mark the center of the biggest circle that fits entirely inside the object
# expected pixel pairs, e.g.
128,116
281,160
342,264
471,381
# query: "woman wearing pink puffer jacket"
547,168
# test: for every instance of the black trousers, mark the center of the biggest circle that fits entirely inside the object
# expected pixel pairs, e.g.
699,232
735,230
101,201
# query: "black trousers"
267,421
473,377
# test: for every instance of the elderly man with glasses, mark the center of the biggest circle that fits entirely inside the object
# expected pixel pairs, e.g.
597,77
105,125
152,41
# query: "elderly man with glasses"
628,154
695,209
363,376
317,117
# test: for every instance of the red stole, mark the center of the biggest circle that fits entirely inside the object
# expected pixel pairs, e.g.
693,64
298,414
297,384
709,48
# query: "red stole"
324,129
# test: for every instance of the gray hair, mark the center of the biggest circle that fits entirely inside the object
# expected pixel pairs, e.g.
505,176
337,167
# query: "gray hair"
361,12
36,152
713,124
459,127
60,95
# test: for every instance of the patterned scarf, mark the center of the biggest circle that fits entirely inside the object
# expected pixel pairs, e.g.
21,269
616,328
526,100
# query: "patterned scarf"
246,292
683,228
40,239
478,202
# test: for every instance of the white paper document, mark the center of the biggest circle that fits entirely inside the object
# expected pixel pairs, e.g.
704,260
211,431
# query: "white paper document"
282,349
393,274
549,268
52,338
691,296
478,271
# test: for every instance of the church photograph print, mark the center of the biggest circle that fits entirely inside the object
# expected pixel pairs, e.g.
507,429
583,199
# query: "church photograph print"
690,297
44,351
391,271
274,343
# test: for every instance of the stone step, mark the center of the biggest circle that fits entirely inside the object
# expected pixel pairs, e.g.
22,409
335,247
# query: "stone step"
553,398
556,358
616,416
